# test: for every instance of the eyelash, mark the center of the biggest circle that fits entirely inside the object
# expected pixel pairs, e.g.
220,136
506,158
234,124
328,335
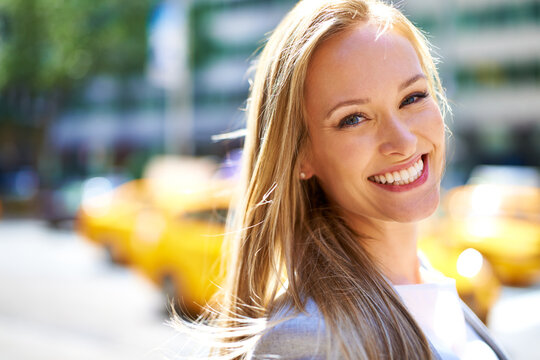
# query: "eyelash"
342,123
418,96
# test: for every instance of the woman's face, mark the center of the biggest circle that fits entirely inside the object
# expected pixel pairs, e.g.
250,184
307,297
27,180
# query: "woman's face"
371,123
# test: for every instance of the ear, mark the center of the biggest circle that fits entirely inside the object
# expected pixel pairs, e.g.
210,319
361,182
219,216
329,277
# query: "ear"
306,166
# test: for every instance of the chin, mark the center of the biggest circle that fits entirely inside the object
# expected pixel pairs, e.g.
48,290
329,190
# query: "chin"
419,211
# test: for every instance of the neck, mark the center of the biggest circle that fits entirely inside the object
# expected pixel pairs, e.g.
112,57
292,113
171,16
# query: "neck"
393,246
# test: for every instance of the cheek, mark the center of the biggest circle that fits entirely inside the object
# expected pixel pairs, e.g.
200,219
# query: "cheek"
340,165
438,134
339,154
434,132
431,125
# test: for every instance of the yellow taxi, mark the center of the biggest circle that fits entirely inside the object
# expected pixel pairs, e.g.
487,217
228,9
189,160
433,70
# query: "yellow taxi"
502,222
108,216
476,282
169,225
179,249
109,219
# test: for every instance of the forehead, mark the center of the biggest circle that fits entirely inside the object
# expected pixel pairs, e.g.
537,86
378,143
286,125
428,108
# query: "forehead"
358,62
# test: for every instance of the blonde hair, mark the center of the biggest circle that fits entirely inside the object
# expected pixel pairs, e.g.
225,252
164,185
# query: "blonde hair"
285,235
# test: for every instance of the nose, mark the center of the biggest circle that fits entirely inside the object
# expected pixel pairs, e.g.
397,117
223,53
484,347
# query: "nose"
397,138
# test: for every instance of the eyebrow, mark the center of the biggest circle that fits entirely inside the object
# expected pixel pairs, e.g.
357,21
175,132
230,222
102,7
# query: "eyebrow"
411,81
361,101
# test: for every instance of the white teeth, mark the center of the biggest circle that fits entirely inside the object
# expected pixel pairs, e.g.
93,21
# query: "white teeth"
401,177
404,174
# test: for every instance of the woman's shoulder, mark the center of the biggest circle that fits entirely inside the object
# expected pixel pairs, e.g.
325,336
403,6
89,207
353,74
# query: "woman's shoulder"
293,335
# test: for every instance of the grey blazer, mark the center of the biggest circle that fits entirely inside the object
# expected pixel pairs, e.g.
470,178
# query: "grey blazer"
302,337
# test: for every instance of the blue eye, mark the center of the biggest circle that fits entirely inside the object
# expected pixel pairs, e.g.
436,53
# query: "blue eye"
351,120
413,98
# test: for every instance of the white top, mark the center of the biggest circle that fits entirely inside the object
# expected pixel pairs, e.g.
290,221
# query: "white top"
436,307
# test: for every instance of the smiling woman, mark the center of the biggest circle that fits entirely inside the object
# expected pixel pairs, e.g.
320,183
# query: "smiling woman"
344,154
390,124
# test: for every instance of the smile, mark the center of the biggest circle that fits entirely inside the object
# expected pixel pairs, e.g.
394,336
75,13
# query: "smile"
404,179
400,177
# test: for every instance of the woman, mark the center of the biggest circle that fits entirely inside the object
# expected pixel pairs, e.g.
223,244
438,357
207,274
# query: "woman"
343,156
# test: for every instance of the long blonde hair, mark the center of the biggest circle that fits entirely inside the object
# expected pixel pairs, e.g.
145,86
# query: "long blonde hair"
285,235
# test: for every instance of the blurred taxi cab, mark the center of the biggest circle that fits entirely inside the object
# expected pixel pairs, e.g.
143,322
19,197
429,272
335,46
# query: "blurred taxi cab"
109,219
108,216
502,222
168,225
476,282
180,250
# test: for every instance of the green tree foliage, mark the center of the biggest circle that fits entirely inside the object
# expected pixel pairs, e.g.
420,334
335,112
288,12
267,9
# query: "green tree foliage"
49,49
52,44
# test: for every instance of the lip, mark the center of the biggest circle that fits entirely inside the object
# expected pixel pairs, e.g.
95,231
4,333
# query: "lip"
403,166
421,179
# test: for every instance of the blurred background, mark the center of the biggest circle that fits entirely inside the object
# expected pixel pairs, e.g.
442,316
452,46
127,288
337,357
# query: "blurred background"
112,158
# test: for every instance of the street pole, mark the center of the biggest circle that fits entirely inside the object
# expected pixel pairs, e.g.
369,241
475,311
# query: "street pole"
169,69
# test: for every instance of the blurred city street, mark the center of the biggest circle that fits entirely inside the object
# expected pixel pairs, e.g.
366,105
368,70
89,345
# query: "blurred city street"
131,117
62,299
